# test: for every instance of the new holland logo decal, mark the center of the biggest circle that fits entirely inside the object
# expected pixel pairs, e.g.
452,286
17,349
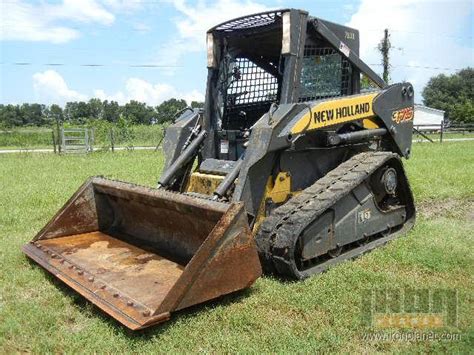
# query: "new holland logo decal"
341,112
334,112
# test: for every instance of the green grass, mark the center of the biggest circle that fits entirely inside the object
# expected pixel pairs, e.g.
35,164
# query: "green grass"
26,138
320,314
446,135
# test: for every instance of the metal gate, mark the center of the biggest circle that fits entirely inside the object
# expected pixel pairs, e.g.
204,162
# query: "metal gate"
76,140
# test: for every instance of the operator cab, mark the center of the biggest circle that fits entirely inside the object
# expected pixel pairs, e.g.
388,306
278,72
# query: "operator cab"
271,57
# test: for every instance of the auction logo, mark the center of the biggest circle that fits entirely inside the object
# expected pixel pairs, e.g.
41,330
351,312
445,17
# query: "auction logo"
410,308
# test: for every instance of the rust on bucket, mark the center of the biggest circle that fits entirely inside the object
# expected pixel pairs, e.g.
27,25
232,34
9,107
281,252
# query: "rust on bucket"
140,253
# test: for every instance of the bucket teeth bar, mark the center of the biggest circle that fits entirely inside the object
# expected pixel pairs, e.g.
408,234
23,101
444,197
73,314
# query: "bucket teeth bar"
140,253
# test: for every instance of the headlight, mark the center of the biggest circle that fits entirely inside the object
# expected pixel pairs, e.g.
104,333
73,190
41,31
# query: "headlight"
211,56
286,40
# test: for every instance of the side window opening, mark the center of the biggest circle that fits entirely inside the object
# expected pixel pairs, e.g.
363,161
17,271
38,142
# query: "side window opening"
325,73
249,92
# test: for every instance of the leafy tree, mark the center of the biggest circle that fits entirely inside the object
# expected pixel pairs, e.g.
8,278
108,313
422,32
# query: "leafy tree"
96,109
111,111
32,114
138,112
453,94
366,84
197,104
10,116
55,113
463,112
167,110
80,112
77,112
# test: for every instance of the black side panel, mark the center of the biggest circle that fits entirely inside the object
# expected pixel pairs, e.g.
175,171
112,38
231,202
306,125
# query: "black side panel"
307,166
258,163
176,135
264,143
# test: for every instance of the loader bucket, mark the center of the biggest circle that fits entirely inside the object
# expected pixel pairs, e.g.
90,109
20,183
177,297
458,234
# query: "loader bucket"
140,253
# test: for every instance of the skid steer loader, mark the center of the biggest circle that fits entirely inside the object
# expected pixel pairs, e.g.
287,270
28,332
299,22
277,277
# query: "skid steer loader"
290,167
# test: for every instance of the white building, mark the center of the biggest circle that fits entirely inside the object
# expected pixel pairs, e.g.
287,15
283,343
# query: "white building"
427,118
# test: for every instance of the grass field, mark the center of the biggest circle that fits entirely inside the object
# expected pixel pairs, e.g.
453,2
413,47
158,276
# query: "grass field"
447,135
320,314
40,138
130,136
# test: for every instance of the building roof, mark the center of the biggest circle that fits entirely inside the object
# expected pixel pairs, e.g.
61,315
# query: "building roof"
428,109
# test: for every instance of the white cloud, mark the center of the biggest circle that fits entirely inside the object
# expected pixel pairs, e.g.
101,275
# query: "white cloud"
123,5
198,19
194,95
194,22
82,11
39,22
424,33
144,91
50,87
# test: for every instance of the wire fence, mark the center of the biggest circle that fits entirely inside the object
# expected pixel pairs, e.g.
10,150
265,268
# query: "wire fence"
100,138
130,137
439,132
112,138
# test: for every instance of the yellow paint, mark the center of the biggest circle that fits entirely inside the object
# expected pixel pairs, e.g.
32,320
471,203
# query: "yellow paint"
279,191
369,123
334,112
408,320
203,183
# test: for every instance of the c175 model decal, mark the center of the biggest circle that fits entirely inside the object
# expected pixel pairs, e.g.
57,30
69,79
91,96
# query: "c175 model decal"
403,115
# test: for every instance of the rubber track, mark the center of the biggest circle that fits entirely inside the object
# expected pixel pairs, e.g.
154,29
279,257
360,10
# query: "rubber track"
278,234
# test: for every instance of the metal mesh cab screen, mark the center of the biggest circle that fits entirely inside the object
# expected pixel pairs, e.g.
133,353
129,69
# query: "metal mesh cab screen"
258,20
255,85
249,96
325,73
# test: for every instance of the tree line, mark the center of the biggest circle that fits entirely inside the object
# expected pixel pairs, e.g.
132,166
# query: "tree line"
81,112
453,94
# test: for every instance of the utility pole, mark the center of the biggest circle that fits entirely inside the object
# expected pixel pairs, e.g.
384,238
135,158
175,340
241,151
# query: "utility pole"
384,48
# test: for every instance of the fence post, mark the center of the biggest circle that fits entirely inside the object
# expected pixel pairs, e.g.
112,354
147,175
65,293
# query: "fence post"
441,132
63,140
91,139
112,139
54,140
86,139
58,136
163,132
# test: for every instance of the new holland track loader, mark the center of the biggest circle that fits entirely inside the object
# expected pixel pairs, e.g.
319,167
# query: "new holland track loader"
290,167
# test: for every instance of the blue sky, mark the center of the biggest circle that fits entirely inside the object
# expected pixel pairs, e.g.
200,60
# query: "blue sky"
429,37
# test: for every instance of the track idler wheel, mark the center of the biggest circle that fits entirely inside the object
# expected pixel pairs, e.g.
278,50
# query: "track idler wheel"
335,252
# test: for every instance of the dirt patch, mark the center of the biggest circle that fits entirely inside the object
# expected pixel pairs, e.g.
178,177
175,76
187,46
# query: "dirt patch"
449,208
